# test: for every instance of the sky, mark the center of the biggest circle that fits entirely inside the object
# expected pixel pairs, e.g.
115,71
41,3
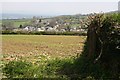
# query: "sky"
58,7
59,0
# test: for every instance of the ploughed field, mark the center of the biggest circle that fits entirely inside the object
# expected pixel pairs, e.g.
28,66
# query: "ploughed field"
30,47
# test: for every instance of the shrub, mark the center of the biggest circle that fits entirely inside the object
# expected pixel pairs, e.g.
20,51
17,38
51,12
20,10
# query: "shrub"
16,69
41,70
43,33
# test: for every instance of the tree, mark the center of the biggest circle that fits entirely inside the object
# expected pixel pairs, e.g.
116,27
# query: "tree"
20,26
40,20
68,28
103,41
7,25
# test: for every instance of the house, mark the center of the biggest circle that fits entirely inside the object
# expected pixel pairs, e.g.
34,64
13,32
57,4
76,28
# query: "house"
56,26
26,29
46,21
73,29
49,29
40,29
62,30
29,28
15,30
43,28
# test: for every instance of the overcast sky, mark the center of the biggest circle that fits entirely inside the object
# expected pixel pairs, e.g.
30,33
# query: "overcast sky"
59,0
58,8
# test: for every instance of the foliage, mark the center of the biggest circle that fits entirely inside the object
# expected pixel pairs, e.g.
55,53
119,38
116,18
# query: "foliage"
7,25
107,67
16,69
16,22
44,69
42,33
107,31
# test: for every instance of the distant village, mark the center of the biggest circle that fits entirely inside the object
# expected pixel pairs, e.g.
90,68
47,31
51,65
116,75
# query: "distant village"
56,24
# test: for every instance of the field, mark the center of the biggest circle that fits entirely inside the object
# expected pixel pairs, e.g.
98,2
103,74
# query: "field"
38,56
16,22
0,21
29,47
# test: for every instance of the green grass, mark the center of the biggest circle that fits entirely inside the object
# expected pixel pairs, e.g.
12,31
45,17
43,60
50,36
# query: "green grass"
18,22
43,68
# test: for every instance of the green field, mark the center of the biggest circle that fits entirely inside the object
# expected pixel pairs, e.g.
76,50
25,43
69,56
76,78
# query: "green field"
17,22
0,22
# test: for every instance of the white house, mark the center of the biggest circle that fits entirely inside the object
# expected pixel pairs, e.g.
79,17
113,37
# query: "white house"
50,29
39,29
62,30
29,28
26,29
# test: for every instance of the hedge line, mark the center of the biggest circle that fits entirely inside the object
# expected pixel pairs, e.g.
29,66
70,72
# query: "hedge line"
42,33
